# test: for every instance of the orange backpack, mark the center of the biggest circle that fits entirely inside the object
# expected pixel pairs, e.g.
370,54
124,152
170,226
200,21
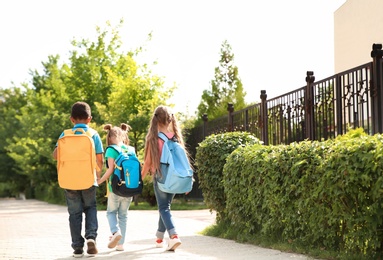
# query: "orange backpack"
76,159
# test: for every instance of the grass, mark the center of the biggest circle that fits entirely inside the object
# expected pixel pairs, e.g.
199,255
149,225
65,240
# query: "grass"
178,204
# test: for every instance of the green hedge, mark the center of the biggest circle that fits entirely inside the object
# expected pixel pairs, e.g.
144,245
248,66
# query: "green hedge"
269,186
322,195
210,158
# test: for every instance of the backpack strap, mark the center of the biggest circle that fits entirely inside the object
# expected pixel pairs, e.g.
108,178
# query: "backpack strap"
114,147
119,150
164,137
89,132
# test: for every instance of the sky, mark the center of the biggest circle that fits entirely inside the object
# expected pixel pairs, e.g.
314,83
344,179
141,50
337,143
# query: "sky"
274,42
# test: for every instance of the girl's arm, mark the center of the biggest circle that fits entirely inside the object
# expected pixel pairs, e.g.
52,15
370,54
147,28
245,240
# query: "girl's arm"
108,172
146,167
99,160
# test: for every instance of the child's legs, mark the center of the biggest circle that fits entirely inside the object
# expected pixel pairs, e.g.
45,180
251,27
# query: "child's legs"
111,211
75,209
123,216
90,210
161,229
164,201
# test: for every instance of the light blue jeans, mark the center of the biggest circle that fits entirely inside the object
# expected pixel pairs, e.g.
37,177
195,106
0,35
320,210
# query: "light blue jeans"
118,207
165,222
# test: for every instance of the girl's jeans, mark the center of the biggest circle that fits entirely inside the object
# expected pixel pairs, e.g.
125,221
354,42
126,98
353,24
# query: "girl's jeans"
78,202
118,205
165,221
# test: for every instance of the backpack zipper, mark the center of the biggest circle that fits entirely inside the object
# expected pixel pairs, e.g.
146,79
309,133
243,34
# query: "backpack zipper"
128,177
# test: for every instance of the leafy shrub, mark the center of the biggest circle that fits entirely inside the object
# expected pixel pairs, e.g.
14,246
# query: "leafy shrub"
320,195
209,161
350,192
148,191
244,174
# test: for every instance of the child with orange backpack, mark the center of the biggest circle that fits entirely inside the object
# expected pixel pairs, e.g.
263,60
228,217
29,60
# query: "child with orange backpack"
79,155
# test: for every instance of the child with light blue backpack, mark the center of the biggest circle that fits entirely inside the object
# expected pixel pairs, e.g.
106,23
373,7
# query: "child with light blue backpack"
163,120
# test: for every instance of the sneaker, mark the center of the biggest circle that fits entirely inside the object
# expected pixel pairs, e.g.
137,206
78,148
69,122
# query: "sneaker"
160,243
120,247
77,253
114,240
173,243
92,249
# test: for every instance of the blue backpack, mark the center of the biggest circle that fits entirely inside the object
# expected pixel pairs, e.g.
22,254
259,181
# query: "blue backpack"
176,173
126,180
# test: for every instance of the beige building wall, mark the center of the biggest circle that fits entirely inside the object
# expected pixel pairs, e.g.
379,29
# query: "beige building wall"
357,25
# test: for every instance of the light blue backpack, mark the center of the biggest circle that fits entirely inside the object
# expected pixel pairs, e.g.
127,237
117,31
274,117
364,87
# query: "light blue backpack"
176,173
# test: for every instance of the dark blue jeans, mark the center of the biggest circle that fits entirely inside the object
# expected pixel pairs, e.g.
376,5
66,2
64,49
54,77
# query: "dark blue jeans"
79,202
165,222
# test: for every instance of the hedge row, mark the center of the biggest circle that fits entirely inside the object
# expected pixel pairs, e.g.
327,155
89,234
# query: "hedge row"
326,195
210,158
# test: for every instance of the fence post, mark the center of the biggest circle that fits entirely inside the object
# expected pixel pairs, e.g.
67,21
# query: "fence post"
338,105
309,108
376,89
204,129
263,121
230,109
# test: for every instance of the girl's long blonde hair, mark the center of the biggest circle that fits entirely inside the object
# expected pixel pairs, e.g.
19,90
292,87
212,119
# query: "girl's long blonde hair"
164,117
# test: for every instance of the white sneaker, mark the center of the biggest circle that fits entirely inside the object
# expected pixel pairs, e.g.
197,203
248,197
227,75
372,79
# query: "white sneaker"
120,247
114,240
173,244
160,244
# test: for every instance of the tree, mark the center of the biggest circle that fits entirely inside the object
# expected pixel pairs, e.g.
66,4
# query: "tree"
41,122
99,73
11,178
226,87
135,94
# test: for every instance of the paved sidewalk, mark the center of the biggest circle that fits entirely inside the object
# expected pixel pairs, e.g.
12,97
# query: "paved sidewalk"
31,229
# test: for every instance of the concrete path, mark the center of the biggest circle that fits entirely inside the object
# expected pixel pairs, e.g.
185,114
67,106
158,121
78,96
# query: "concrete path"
31,229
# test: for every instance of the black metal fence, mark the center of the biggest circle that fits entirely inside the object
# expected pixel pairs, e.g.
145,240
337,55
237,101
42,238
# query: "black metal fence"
317,111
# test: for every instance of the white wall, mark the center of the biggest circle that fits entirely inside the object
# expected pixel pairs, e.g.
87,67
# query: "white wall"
357,25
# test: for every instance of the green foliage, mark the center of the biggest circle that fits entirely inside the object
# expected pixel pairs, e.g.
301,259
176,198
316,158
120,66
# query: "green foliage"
11,177
177,204
210,159
101,198
351,189
51,193
314,195
148,191
97,72
225,88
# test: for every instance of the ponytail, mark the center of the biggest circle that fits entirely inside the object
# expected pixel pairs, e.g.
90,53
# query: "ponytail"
125,128
107,128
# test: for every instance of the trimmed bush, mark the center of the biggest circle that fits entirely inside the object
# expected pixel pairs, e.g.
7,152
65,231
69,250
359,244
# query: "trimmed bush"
319,195
209,161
